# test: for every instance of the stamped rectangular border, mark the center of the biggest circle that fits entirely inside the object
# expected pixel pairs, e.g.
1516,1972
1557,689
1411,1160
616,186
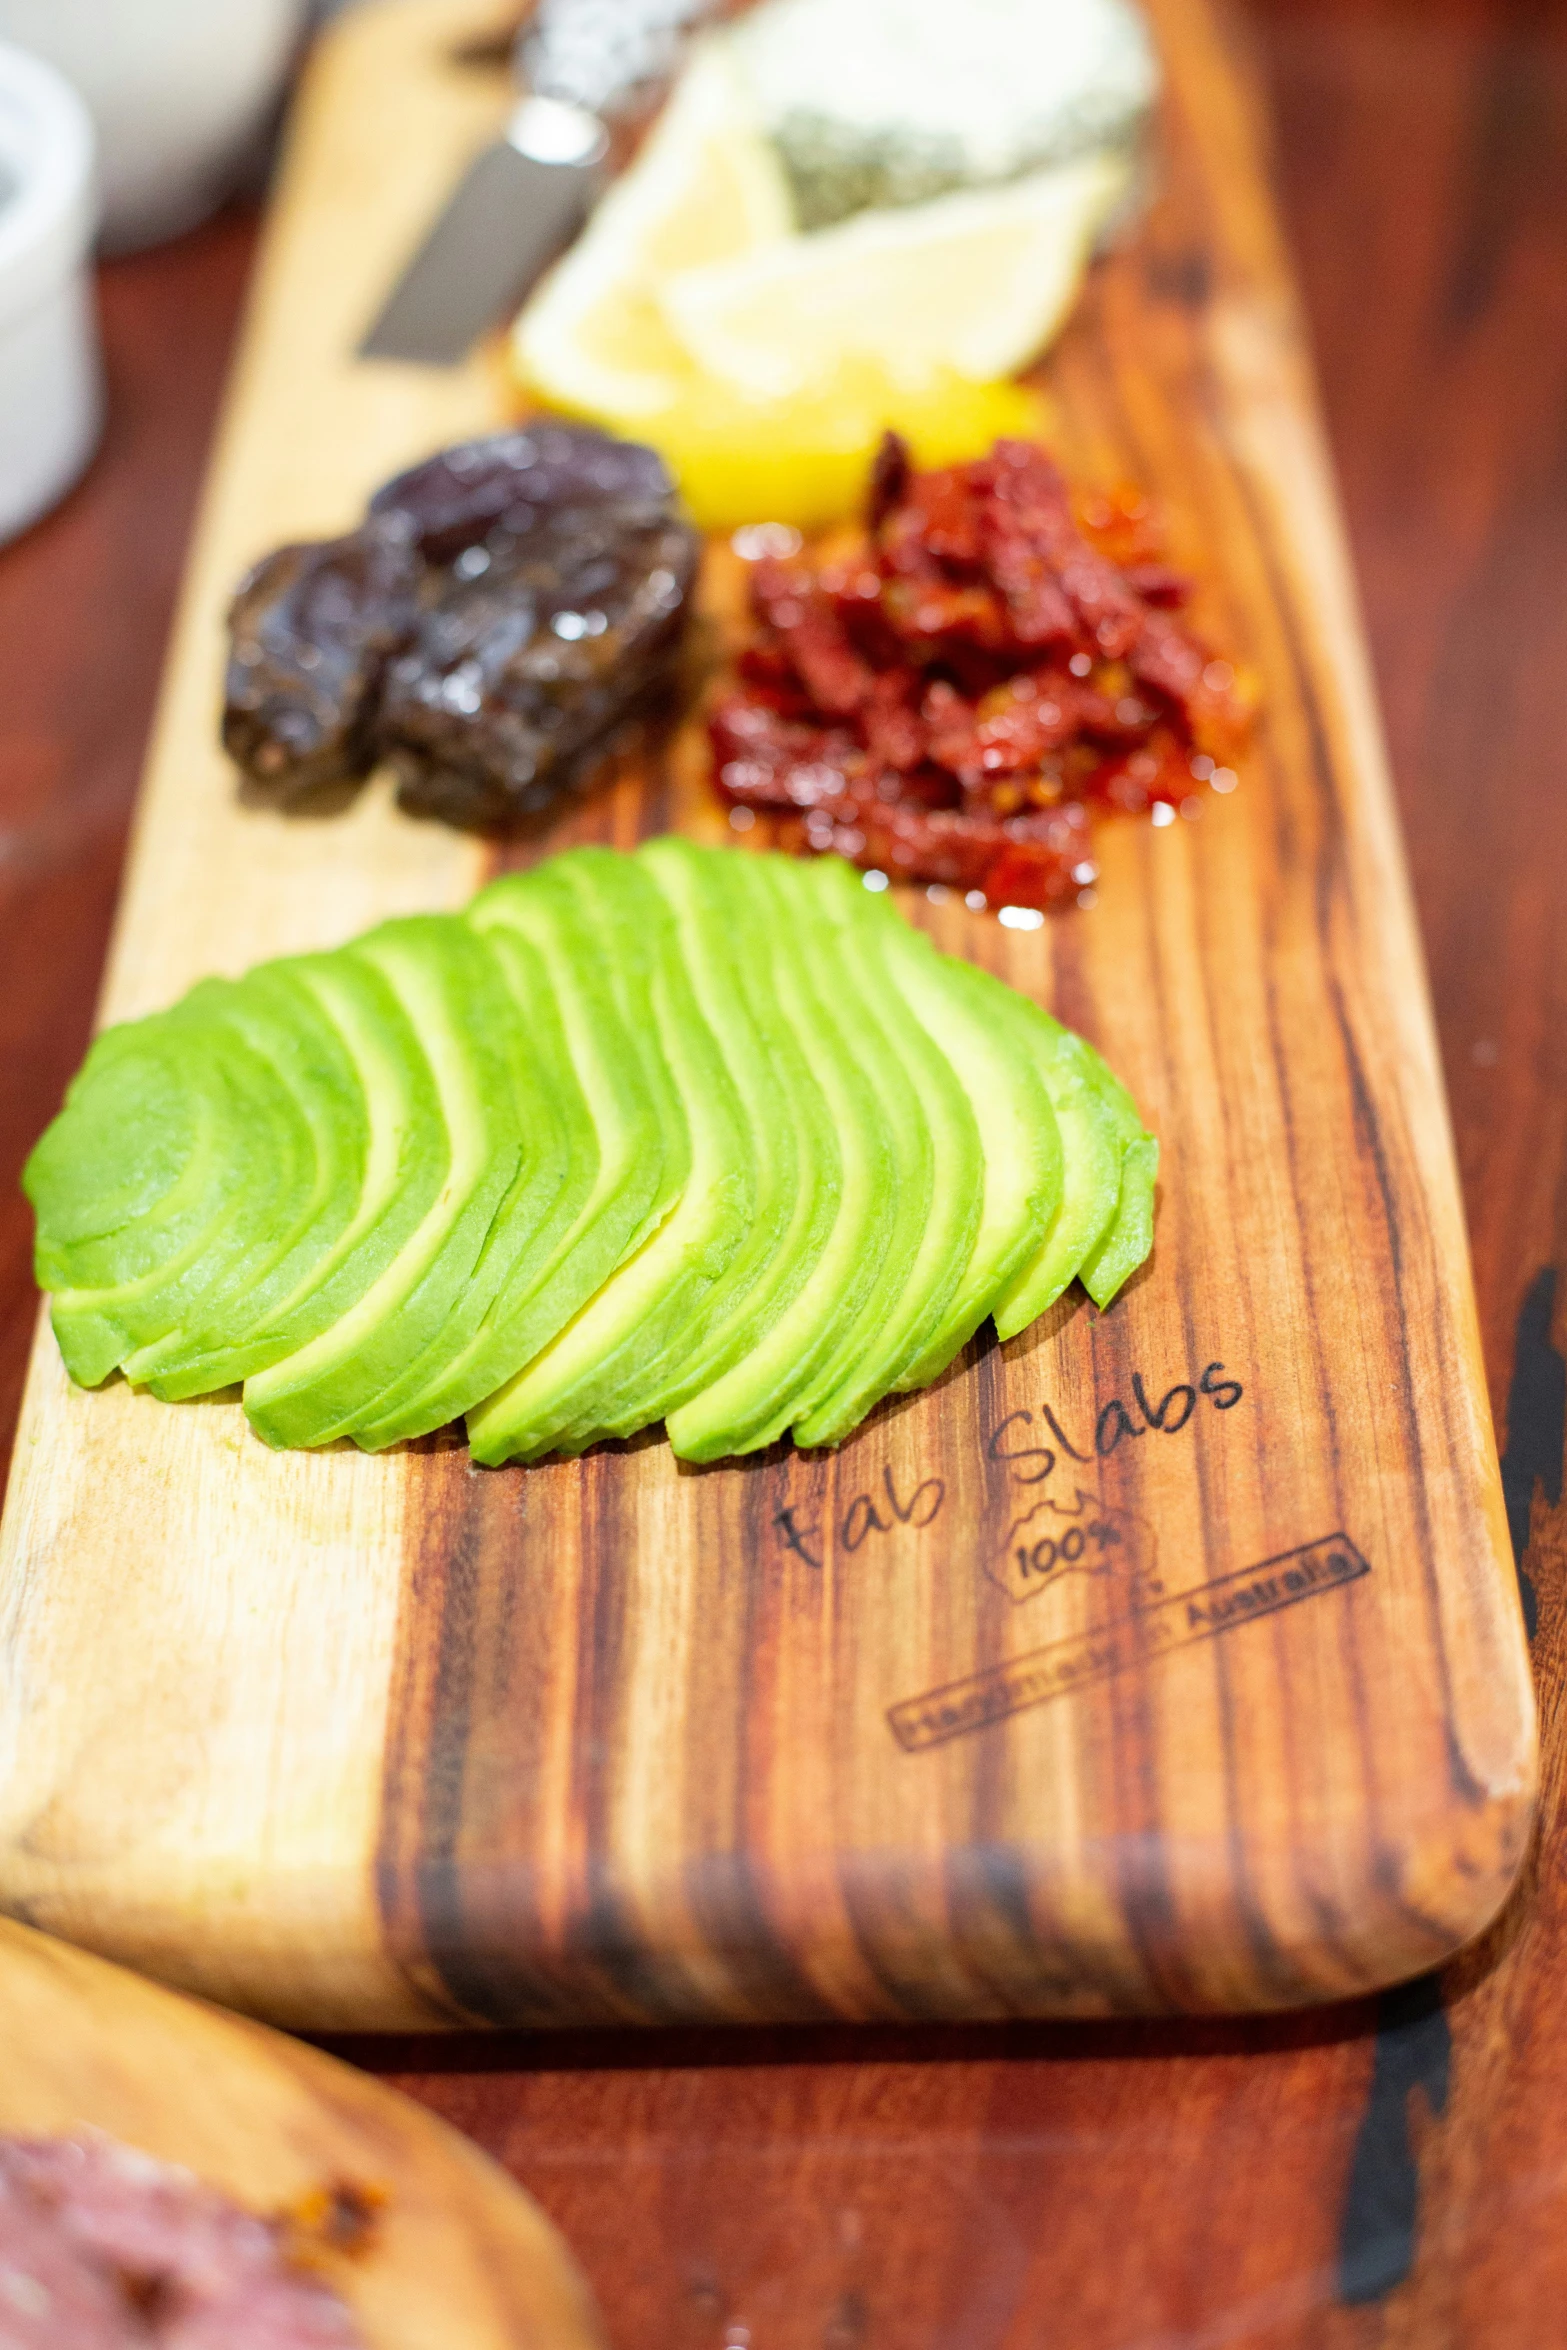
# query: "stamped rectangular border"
1081,1660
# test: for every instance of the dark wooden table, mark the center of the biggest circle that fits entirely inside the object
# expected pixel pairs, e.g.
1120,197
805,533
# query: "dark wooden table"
1390,2174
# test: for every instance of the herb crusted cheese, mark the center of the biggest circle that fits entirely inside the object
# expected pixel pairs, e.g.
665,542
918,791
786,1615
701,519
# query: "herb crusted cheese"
878,102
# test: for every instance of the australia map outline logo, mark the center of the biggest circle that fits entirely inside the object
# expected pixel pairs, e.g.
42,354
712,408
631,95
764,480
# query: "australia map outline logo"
1084,1536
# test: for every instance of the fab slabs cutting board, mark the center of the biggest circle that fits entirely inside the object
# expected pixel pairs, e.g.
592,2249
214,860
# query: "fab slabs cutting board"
1163,1659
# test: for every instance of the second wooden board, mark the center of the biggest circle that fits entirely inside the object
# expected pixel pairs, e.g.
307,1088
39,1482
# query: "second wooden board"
1168,1659
456,2252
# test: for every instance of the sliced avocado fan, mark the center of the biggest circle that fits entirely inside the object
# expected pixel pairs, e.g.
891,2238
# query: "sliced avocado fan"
691,1135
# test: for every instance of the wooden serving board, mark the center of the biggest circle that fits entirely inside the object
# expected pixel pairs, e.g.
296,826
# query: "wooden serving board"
458,2254
1168,1659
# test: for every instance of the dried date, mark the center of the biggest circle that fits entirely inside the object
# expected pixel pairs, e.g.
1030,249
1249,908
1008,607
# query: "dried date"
310,630
506,483
500,610
522,668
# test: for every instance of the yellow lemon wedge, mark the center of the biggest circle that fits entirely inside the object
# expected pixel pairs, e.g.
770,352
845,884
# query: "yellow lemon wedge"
806,461
973,285
706,188
765,365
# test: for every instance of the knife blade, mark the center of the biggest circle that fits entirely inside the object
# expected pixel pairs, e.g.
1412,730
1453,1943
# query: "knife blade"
518,204
522,200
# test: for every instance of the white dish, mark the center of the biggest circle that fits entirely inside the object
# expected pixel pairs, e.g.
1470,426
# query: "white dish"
51,401
179,90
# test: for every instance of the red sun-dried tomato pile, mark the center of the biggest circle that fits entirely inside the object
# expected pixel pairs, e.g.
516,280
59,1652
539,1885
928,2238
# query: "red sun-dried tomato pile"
951,701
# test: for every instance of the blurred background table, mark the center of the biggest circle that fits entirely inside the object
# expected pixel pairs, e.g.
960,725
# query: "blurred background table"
1392,2173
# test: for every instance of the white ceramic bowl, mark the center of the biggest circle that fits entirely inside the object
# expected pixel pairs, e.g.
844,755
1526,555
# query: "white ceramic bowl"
50,389
179,90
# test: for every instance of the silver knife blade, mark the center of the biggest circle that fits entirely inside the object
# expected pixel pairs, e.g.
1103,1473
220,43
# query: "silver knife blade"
588,62
520,202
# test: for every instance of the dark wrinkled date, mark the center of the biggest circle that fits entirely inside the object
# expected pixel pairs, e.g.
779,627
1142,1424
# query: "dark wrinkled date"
500,611
310,630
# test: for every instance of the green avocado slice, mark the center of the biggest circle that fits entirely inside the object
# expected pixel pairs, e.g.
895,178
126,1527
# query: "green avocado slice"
1129,1237
141,1184
756,1399
742,1113
1091,1154
280,1017
1022,1148
629,923
639,1150
601,1376
385,1170
799,1166
556,1174
464,1130
721,905
123,1156
940,1179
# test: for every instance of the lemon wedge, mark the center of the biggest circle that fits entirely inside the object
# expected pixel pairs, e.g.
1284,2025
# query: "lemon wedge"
973,284
806,460
706,188
763,364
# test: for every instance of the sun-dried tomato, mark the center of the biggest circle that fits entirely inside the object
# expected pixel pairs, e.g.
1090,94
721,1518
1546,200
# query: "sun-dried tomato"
812,636
949,701
1032,860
